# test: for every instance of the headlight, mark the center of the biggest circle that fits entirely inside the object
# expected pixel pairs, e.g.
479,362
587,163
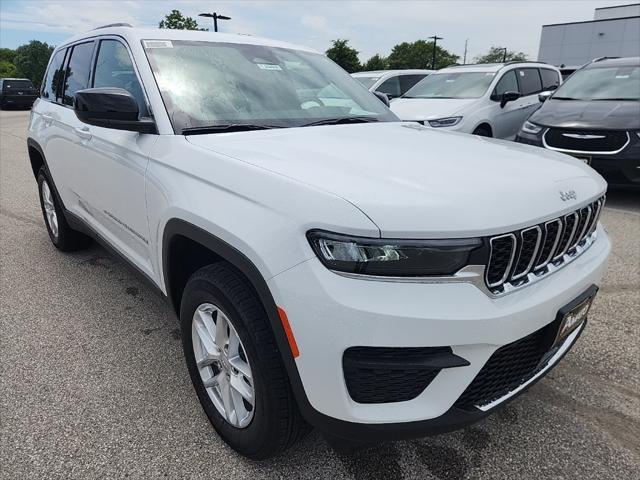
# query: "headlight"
390,257
532,128
445,122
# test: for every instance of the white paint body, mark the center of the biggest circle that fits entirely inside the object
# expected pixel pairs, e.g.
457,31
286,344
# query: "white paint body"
262,191
503,121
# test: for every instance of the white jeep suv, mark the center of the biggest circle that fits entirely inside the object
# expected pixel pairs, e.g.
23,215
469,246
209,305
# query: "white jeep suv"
331,265
491,100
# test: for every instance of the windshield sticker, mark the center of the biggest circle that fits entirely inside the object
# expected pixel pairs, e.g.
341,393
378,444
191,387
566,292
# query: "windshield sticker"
622,76
157,44
268,66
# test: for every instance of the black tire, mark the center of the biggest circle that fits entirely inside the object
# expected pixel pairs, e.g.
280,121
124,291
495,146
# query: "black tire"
66,239
482,131
276,423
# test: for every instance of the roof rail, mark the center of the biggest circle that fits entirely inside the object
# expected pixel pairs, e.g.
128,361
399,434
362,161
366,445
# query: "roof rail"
114,25
510,62
504,64
599,59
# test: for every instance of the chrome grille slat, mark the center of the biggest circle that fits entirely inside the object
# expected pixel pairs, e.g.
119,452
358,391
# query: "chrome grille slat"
520,257
570,225
504,271
542,262
518,271
585,227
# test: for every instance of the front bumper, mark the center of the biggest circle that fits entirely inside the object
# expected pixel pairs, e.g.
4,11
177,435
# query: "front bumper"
620,169
329,313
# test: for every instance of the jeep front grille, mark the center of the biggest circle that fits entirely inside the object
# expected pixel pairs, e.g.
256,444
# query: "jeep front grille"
518,257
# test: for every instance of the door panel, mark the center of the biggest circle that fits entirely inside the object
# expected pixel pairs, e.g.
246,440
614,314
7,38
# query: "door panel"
506,120
530,85
116,162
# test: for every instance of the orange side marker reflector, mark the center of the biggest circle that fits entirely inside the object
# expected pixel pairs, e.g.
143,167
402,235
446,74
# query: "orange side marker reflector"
287,330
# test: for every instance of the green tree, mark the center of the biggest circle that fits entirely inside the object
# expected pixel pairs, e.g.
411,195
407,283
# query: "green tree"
176,21
497,55
345,56
7,55
7,69
419,54
377,62
31,60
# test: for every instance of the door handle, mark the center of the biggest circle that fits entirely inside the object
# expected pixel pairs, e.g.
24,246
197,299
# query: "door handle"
83,132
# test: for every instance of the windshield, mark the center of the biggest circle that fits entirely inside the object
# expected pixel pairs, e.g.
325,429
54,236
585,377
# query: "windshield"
210,83
452,85
604,83
366,81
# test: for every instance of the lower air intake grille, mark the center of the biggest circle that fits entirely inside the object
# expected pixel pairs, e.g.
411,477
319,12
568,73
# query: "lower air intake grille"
509,366
385,374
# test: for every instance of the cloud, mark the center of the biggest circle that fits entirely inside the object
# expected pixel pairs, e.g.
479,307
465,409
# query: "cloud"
315,22
371,26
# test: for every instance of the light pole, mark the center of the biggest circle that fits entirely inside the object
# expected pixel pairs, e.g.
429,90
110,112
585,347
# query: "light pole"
504,54
435,39
215,17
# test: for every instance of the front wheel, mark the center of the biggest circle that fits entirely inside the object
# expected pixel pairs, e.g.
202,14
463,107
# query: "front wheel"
235,365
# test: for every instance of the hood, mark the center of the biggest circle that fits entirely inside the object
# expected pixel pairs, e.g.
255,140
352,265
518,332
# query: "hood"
596,114
413,181
429,108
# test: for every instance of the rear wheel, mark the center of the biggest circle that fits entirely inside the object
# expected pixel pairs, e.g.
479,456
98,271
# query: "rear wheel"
235,365
61,234
482,131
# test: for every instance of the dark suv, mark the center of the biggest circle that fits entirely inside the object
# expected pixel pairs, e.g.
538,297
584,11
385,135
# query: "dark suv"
595,116
17,92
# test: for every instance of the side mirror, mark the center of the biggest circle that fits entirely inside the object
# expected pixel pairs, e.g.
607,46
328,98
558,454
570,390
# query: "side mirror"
111,108
508,97
544,96
382,97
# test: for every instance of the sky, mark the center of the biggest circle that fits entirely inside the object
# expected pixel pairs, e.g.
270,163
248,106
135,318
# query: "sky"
370,26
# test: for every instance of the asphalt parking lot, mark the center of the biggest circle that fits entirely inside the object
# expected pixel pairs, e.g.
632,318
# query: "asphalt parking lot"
93,382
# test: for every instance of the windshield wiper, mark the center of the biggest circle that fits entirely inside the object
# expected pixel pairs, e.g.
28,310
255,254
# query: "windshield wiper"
565,98
229,127
339,120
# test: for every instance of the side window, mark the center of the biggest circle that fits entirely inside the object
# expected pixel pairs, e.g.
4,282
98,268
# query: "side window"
52,82
529,80
408,81
507,83
390,86
77,72
114,68
550,79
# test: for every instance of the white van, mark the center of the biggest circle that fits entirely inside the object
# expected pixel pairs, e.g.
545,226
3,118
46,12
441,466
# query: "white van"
492,100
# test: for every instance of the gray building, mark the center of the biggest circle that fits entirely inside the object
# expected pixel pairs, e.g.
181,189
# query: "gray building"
613,32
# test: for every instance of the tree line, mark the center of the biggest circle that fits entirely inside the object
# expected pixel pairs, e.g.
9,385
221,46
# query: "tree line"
27,61
418,54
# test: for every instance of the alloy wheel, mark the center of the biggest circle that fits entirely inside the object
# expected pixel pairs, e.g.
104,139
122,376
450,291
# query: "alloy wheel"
223,365
49,209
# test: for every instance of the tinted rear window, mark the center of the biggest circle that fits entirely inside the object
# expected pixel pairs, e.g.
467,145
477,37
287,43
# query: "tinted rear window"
529,80
78,70
550,78
51,84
